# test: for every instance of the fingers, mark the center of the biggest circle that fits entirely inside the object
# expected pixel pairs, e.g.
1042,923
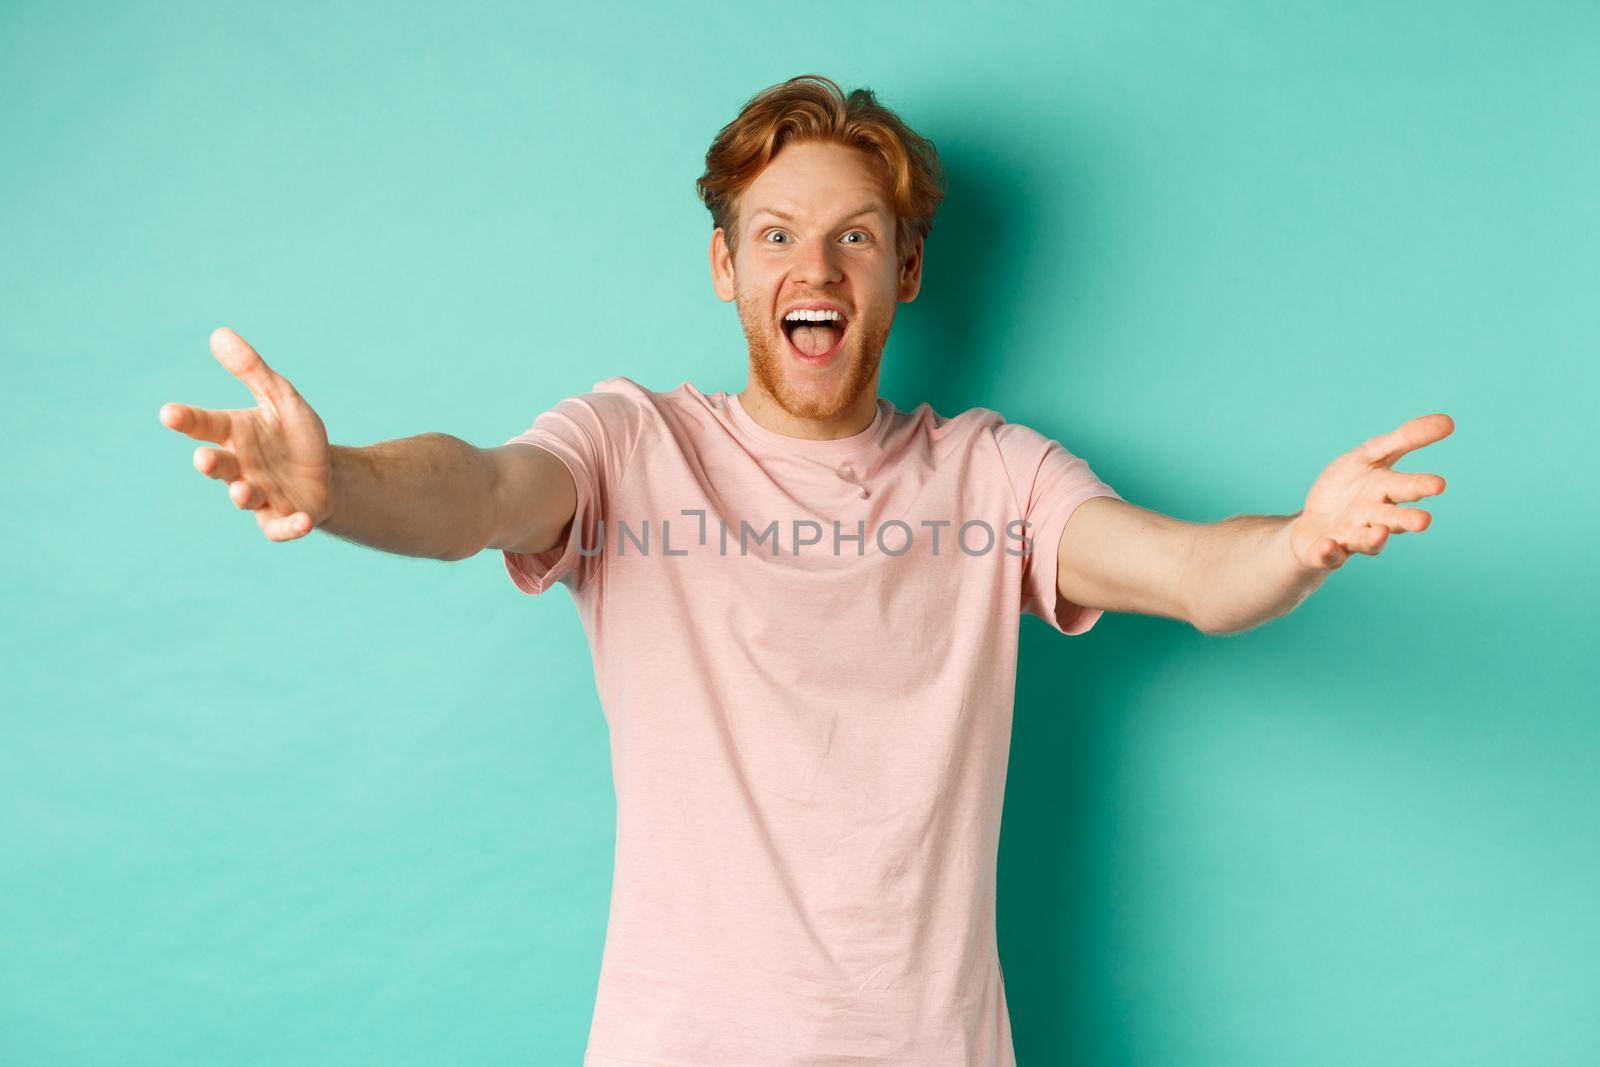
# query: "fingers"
223,465
1371,537
216,463
1330,554
1400,520
1369,540
245,496
284,527
1386,448
1399,488
244,363
198,423
277,527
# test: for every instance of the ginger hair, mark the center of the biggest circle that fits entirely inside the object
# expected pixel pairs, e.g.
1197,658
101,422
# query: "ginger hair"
812,107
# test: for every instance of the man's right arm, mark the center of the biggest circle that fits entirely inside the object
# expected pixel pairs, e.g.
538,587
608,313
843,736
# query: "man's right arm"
432,495
535,498
439,497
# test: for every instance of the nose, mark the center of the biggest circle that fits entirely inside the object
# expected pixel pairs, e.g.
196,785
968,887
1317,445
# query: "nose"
816,265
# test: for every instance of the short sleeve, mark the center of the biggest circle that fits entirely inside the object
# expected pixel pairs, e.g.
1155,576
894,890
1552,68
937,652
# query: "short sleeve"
594,435
1049,483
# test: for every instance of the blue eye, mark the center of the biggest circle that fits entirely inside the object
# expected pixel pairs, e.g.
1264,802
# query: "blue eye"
767,237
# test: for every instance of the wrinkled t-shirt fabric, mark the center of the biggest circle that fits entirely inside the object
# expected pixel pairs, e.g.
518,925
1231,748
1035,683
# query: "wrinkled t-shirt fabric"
805,652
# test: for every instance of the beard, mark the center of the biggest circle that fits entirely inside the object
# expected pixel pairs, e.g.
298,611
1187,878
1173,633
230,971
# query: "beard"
855,369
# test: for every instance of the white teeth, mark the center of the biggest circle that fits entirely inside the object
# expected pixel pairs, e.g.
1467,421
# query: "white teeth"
802,315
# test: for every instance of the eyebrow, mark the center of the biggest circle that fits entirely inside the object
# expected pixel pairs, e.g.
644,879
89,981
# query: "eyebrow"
868,209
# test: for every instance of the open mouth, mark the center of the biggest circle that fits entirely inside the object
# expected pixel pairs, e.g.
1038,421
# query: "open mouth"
815,335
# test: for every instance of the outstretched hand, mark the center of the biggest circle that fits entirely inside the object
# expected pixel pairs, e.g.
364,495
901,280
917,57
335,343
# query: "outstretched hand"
1352,506
274,457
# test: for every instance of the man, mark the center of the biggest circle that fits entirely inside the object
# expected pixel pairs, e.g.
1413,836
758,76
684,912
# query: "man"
803,607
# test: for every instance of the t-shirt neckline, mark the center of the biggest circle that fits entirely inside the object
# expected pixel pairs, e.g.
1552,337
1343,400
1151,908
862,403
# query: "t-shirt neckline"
809,446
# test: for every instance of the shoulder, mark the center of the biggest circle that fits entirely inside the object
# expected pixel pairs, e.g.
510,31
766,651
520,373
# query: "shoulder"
980,427
619,405
1025,455
624,394
924,420
620,393
631,415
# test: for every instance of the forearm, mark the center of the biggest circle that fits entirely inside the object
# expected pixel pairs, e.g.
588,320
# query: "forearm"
430,496
1243,573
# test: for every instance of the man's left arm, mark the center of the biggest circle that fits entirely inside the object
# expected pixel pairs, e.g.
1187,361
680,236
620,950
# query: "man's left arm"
1228,576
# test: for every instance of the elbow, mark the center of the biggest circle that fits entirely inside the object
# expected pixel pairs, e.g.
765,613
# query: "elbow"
1205,621
1213,624
1195,592
1219,627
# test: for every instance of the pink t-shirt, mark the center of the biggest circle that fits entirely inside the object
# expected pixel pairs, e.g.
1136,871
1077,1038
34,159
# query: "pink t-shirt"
809,726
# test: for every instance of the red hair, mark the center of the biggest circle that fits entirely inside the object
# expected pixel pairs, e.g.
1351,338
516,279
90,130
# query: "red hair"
813,108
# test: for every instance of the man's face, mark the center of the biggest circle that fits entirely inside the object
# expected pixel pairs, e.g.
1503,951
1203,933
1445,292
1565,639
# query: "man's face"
815,227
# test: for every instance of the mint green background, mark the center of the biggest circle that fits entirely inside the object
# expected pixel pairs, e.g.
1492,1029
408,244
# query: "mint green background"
309,803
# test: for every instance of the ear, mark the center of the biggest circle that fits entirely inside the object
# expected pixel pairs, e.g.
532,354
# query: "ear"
911,273
722,267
